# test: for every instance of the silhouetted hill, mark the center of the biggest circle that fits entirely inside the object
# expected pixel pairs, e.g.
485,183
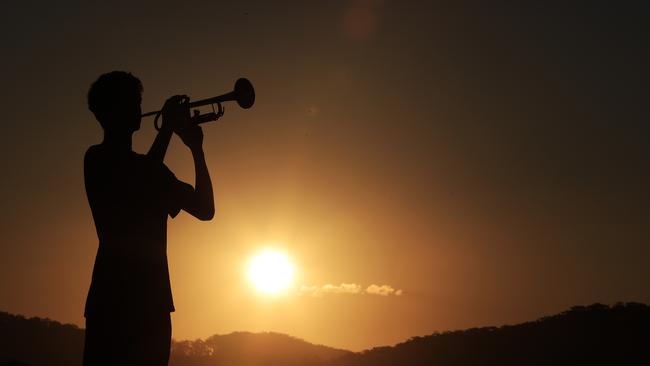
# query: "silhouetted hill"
251,349
37,341
592,335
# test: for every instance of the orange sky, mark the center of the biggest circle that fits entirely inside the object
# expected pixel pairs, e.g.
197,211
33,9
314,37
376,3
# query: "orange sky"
489,162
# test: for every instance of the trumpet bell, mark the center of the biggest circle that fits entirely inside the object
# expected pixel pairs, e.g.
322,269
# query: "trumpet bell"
244,93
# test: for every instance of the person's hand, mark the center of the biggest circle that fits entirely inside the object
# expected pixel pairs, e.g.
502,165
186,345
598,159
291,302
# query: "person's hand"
192,136
176,113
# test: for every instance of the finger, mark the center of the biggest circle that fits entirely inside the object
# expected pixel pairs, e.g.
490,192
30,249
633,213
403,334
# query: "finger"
192,130
189,127
173,98
171,101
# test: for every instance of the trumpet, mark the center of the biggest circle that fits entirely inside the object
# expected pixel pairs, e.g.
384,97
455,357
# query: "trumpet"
243,93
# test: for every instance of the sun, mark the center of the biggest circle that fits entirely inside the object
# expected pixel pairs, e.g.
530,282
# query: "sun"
270,271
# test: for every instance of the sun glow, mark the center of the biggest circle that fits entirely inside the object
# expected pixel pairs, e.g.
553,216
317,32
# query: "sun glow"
271,272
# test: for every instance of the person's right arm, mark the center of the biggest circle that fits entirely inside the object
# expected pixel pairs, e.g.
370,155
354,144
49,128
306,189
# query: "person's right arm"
174,113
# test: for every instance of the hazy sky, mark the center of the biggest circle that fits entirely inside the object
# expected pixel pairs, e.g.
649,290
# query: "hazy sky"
490,161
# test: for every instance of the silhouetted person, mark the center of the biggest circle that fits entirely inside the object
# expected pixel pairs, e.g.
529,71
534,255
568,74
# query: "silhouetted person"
129,302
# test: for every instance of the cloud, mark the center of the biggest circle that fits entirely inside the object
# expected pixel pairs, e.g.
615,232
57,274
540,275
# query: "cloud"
383,290
350,289
344,288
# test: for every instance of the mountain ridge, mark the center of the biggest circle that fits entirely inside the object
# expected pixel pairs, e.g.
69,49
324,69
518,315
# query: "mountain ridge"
594,334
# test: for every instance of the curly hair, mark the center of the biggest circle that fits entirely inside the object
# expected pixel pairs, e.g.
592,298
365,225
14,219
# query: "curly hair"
108,89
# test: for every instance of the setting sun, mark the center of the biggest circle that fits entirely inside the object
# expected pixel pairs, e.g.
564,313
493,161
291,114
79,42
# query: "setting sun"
270,271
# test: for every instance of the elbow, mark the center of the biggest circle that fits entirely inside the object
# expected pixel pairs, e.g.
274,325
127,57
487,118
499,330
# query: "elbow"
202,209
206,215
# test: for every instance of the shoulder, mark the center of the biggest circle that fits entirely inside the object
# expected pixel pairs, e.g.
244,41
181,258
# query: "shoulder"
92,163
96,157
94,152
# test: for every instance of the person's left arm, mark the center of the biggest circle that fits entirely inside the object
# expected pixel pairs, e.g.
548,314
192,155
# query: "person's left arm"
200,203
197,201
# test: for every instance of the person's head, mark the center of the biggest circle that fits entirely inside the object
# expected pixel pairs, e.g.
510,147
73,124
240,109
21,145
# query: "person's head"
114,98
